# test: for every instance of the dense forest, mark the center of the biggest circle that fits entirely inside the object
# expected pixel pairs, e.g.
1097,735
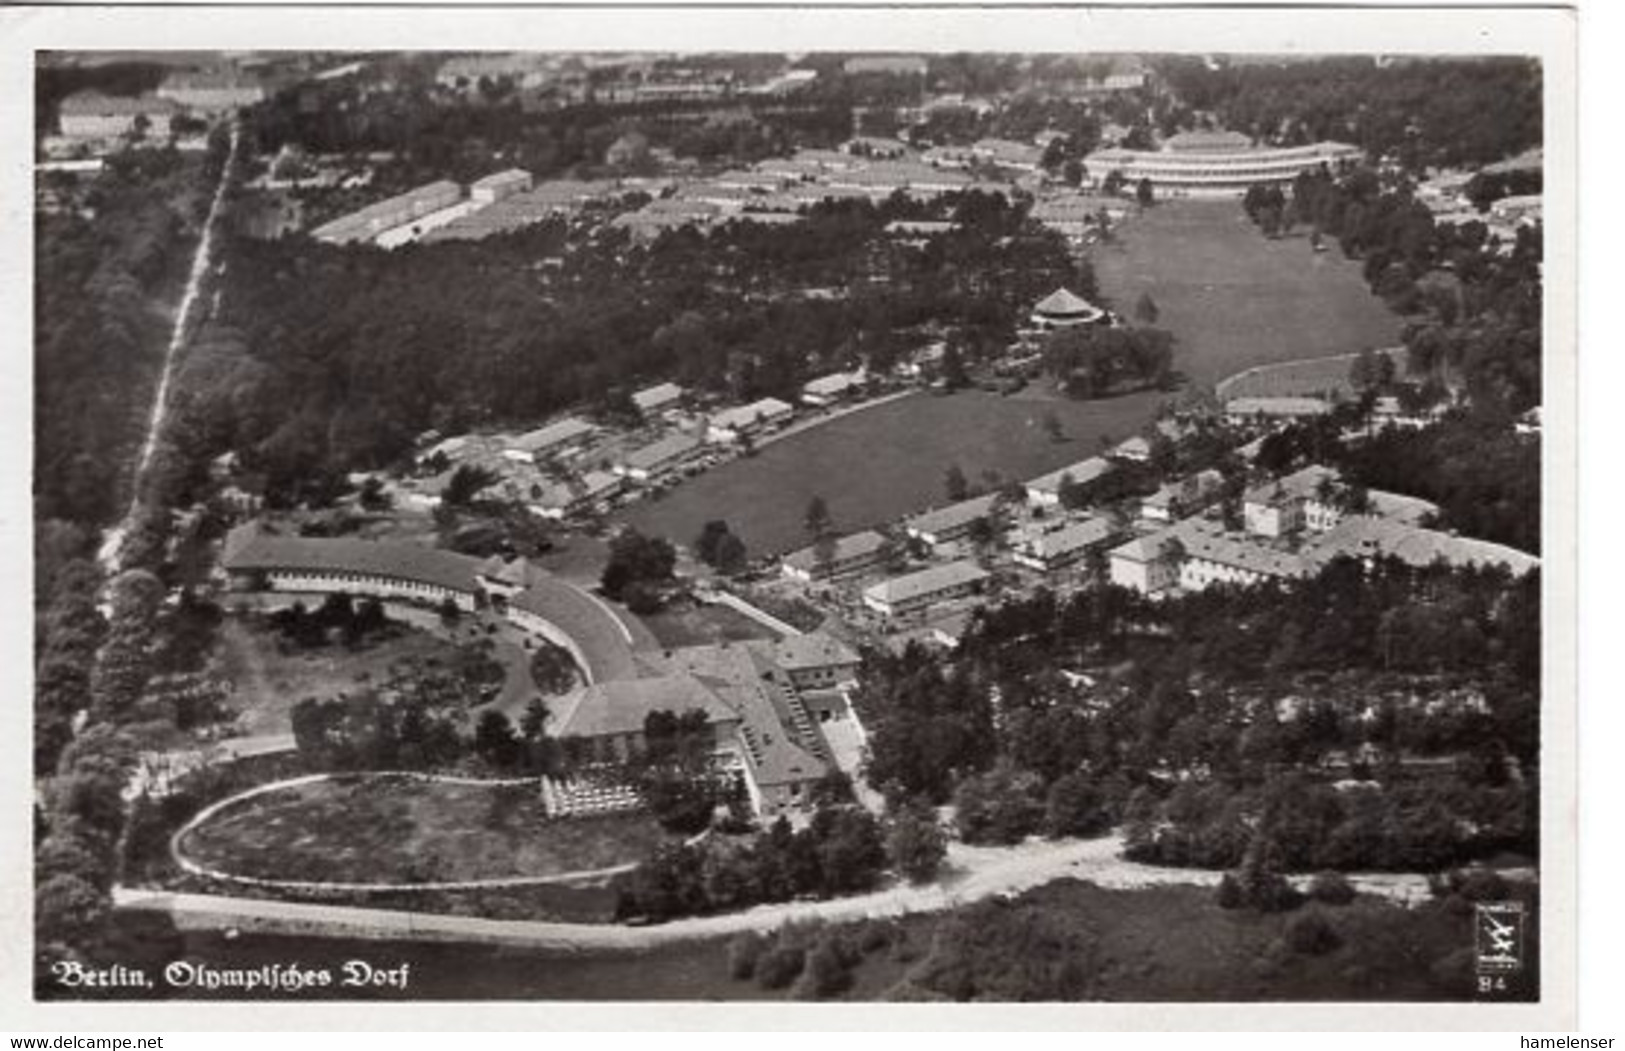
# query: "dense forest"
325,359
1424,112
1192,716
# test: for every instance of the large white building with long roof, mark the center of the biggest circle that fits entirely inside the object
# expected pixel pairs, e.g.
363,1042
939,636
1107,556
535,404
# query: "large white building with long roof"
1218,164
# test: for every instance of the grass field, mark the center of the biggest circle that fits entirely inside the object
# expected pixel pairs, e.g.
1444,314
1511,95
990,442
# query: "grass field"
882,463
703,625
1319,377
1235,299
1170,944
392,830
269,682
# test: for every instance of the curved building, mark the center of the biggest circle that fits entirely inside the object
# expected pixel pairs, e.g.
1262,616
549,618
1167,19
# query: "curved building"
1214,164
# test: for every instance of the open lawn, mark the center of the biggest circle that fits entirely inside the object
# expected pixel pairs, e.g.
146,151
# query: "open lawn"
703,625
879,464
1234,298
380,829
269,682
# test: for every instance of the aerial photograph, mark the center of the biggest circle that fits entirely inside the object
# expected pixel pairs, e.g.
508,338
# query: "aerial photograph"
806,526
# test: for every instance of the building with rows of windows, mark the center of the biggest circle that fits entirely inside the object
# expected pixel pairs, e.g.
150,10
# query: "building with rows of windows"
1217,164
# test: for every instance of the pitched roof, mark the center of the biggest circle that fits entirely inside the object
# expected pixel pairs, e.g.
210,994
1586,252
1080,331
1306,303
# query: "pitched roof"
926,582
1073,537
746,415
656,396
543,438
853,545
1064,303
671,447
622,707
503,178
1082,472
944,519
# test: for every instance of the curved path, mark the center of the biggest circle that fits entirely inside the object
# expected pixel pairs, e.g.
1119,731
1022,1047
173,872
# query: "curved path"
973,873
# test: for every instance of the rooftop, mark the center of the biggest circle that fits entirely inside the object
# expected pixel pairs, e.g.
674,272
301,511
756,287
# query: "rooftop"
249,548
1082,472
659,452
622,707
854,545
656,396
953,516
542,438
926,582
1066,304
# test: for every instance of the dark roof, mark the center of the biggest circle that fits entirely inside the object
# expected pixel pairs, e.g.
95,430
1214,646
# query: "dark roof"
249,549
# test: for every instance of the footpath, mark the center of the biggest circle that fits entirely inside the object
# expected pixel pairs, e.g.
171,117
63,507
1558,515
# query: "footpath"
971,874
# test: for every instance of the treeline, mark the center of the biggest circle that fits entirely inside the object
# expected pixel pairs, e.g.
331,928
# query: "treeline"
1054,714
1093,361
1423,111
100,332
433,137
325,359
1475,309
1484,476
842,850
1424,825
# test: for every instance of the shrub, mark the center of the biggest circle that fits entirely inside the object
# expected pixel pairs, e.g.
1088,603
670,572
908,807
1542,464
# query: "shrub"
873,936
1331,888
779,966
1229,893
824,973
1479,884
743,952
1311,934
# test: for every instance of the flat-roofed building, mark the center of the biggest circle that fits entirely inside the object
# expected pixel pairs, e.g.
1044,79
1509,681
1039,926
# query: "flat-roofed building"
912,593
1045,490
838,557
944,525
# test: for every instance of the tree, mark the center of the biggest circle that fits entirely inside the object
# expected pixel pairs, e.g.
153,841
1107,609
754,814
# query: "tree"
817,520
731,555
533,723
955,484
495,741
1145,309
1143,193
954,376
916,844
465,483
1052,426
1074,807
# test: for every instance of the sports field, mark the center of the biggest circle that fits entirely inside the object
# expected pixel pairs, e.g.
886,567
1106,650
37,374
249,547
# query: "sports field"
1234,298
381,829
881,463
